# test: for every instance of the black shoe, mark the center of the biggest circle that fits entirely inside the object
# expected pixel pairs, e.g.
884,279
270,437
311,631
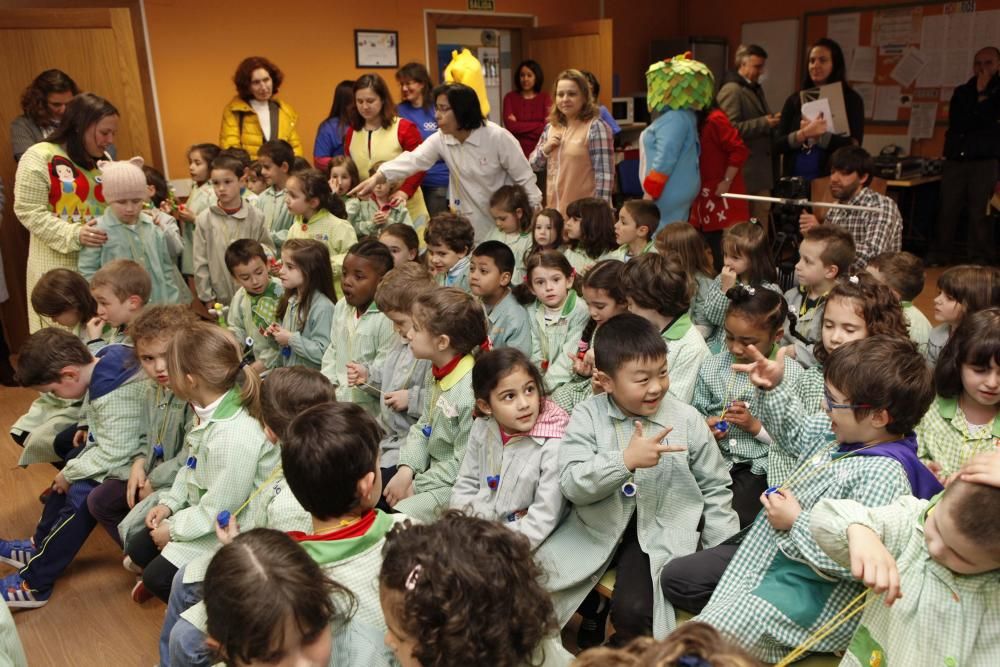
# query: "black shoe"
591,632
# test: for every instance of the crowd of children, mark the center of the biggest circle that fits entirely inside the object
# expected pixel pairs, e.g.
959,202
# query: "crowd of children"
321,434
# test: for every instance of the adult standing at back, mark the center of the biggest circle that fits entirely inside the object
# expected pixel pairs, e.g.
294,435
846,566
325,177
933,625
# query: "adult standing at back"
255,115
526,110
43,104
378,134
330,135
418,108
806,145
481,157
742,98
971,150
576,146
57,193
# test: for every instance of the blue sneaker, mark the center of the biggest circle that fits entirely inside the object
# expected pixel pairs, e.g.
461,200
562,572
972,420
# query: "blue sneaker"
18,595
16,552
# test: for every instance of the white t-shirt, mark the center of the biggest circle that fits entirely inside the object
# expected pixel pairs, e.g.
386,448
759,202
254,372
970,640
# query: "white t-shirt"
263,111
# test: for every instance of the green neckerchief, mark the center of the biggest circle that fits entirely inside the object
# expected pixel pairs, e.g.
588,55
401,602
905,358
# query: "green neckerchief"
678,327
264,306
325,552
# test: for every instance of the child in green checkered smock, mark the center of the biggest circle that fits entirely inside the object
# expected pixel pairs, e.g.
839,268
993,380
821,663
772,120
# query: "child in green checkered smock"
506,615
658,289
746,260
228,455
511,213
730,404
371,215
449,327
771,597
945,555
255,305
276,160
361,335
286,393
557,316
686,243
305,312
965,416
602,290
200,197
646,482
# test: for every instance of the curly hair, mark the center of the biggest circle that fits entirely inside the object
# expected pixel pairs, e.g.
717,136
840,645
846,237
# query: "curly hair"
445,570
874,303
244,74
34,99
693,643
160,322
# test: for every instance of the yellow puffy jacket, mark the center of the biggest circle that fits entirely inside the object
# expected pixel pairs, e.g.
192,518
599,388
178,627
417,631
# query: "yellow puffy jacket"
464,68
241,129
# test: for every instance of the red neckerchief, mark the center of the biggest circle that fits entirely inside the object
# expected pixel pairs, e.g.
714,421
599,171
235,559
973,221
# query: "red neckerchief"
504,437
442,373
356,529
230,211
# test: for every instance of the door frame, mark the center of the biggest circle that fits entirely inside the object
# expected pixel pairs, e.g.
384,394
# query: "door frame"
434,19
73,12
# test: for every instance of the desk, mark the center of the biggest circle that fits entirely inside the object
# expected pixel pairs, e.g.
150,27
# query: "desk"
917,199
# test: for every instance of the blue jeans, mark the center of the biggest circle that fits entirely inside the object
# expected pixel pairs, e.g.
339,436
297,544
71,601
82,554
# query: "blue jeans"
180,642
64,527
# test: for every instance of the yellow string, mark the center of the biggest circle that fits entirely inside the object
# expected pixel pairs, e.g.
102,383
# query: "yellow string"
850,610
788,483
267,482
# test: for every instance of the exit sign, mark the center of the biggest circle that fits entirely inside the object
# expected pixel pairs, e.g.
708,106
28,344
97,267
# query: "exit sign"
482,5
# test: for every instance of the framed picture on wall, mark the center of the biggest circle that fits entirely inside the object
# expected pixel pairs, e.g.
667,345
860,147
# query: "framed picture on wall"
376,49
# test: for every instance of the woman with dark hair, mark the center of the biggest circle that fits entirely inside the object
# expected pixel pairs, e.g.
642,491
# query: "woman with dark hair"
481,157
330,135
576,147
57,192
526,109
418,108
806,145
43,103
254,115
378,134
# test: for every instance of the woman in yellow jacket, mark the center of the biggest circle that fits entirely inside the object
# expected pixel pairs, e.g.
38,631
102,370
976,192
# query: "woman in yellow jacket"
254,115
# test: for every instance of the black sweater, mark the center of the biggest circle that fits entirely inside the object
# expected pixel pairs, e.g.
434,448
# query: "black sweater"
791,118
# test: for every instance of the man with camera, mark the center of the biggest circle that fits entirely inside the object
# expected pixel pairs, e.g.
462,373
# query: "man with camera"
875,231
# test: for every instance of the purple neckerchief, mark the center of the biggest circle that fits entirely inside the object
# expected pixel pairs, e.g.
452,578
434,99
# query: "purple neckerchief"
923,483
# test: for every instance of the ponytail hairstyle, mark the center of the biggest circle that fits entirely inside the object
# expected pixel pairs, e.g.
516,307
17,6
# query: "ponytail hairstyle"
375,252
976,342
748,240
975,287
597,227
495,365
554,217
687,243
511,199
211,354
456,314
874,302
316,186
764,307
61,291
208,153
547,259
658,282
261,584
313,259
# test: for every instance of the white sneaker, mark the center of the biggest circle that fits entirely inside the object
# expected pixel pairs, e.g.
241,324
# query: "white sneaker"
130,566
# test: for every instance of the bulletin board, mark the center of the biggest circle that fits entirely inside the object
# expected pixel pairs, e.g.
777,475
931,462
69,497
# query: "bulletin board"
905,60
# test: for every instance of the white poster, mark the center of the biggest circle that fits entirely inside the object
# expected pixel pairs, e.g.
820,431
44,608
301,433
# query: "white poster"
887,103
862,66
922,116
909,66
844,29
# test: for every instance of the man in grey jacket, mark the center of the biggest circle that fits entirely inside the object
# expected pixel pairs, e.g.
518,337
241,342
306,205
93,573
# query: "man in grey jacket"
742,99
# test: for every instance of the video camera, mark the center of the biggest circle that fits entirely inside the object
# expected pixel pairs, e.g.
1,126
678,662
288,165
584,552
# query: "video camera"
785,218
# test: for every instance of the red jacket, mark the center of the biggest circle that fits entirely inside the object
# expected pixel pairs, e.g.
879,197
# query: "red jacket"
721,147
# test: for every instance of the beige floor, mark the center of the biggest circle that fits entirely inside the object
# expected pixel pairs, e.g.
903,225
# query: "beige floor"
90,619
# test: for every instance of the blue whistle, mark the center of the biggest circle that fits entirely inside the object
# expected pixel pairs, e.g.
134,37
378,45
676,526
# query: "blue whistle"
90,437
629,489
223,518
771,490
426,430
158,451
286,352
722,426
191,462
493,481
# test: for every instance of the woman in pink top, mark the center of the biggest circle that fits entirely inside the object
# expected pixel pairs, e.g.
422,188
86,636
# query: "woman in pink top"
576,146
525,110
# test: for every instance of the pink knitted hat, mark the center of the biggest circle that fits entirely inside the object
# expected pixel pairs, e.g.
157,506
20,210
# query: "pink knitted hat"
123,180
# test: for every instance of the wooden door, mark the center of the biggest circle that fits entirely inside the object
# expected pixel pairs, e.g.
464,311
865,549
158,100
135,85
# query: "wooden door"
102,48
581,45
